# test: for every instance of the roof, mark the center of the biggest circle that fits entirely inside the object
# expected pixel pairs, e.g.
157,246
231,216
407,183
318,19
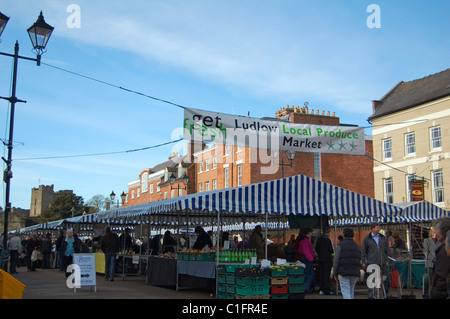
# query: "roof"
170,163
406,95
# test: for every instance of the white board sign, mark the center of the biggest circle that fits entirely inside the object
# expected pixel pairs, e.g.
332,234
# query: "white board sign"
86,262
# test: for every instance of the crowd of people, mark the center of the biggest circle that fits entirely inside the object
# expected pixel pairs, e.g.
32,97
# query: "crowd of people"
42,251
343,261
347,259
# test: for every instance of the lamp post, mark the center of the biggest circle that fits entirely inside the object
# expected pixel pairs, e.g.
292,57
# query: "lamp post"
185,180
290,156
39,33
112,196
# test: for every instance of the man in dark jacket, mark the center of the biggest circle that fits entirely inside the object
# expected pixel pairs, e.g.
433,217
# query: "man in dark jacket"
60,255
203,239
439,284
257,242
46,249
374,251
32,244
347,264
324,250
110,245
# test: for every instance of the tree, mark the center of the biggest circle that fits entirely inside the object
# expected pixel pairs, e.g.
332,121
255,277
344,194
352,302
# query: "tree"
98,202
61,206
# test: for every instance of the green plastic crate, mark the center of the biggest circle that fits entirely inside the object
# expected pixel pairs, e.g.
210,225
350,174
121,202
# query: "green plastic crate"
296,270
297,288
230,279
252,290
230,289
279,272
298,279
255,281
280,296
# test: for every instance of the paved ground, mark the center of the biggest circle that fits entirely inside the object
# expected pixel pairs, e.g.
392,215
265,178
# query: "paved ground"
51,284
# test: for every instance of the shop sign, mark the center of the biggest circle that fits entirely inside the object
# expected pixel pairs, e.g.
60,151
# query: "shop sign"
417,191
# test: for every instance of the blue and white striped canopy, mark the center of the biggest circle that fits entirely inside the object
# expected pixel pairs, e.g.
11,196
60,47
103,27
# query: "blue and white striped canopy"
419,211
298,195
292,195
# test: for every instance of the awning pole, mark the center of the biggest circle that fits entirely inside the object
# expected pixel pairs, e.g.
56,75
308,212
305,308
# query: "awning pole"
267,226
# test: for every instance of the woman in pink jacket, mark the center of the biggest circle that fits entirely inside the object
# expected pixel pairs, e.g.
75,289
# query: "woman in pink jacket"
304,252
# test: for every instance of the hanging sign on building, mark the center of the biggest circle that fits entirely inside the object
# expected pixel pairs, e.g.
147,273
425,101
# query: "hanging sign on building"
204,126
417,191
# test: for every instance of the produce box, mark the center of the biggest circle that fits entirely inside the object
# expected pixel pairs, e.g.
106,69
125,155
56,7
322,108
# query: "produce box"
279,289
251,272
255,281
222,278
279,280
253,297
205,256
222,295
278,271
231,289
298,279
297,288
252,290
296,270
279,296
230,279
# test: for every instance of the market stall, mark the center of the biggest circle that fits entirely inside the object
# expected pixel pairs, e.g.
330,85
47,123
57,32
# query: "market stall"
267,203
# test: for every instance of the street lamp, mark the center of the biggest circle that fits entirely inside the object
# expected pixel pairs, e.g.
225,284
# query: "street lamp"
3,21
290,155
184,179
40,33
112,196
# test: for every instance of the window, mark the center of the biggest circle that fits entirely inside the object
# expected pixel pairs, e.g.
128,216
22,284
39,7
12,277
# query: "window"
226,177
239,171
132,194
388,190
214,184
158,189
410,144
206,165
200,187
409,178
165,195
151,188
227,149
180,192
387,149
317,166
206,186
438,186
214,162
172,193
200,167
144,182
435,136
138,192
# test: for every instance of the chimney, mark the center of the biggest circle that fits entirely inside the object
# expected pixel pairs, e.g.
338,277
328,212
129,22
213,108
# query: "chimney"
375,105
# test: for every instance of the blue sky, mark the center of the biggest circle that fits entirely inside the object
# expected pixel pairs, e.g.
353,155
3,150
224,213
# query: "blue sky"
243,56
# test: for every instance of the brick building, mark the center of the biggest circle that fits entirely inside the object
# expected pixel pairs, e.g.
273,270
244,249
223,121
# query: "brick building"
219,166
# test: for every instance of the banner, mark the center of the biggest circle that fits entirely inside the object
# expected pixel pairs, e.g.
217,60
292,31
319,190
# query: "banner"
204,126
